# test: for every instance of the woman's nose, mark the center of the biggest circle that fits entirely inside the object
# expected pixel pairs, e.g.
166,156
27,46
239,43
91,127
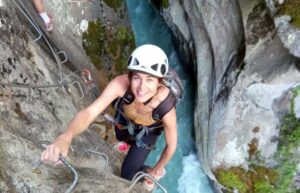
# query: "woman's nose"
142,85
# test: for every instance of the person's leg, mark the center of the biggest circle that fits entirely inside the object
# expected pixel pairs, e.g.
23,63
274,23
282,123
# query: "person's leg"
134,161
39,6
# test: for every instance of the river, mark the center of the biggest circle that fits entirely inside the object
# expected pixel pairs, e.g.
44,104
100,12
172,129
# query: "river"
184,173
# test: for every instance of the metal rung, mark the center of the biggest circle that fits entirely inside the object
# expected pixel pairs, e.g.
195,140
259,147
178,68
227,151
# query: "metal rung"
29,18
140,175
98,126
99,153
65,55
80,88
64,161
75,178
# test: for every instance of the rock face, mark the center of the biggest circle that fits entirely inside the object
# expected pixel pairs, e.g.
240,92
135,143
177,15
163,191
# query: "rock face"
106,44
38,98
246,73
216,60
287,23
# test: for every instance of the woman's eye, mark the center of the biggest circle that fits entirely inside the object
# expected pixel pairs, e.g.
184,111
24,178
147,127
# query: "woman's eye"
135,78
150,80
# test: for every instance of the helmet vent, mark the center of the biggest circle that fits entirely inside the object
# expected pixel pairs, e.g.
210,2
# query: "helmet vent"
163,69
129,60
154,67
135,62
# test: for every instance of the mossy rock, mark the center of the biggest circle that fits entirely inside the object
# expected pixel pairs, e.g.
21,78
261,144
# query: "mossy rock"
232,179
159,4
108,46
291,8
258,179
115,4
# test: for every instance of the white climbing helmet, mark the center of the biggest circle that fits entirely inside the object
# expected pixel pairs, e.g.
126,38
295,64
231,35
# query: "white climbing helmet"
150,59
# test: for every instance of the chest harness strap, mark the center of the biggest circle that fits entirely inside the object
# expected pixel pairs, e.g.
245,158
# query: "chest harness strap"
137,131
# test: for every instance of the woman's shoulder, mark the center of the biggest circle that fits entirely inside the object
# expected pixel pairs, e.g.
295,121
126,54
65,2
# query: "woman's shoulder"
123,79
160,96
162,92
120,83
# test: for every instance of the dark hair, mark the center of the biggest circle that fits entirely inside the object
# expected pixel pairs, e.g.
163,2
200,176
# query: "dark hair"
130,74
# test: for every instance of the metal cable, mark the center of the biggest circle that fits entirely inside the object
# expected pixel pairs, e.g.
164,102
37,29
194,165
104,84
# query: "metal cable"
31,20
28,16
32,23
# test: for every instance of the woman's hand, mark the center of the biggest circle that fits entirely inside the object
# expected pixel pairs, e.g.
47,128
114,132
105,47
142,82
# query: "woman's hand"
154,173
59,146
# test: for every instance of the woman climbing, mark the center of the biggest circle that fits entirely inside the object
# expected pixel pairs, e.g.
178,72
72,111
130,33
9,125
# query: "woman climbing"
144,108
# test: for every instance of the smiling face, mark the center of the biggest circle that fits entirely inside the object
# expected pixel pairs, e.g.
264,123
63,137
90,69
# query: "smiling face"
143,86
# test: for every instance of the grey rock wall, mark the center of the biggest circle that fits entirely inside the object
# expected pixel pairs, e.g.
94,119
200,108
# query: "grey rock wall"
217,52
288,33
246,70
38,98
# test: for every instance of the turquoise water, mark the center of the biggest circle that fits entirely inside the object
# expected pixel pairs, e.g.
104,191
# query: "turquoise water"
184,173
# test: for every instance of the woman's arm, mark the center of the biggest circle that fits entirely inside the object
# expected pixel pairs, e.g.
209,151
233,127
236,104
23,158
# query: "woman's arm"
169,121
116,88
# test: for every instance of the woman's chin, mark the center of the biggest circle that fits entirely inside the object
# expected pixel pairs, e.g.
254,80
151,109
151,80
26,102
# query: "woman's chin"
142,99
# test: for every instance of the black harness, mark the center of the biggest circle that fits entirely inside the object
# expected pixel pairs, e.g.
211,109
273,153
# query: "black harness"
137,131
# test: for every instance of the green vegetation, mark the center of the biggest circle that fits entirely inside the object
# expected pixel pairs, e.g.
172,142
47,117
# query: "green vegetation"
165,3
113,3
108,46
232,179
288,141
259,179
159,4
93,39
291,8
